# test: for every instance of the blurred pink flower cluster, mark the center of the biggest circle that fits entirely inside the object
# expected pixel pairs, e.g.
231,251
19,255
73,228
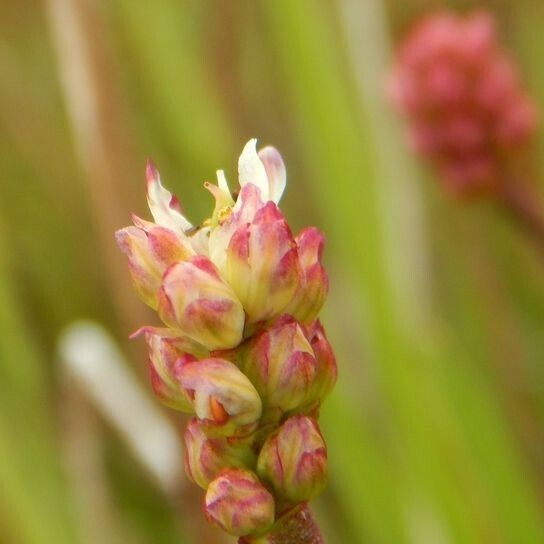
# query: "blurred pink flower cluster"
461,93
242,348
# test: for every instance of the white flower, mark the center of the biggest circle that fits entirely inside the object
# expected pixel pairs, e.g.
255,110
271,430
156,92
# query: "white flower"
264,170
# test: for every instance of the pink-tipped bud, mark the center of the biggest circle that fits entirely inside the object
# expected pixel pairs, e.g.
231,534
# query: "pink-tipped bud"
221,395
167,355
206,457
326,370
150,251
294,460
196,301
314,284
261,261
461,94
238,503
281,364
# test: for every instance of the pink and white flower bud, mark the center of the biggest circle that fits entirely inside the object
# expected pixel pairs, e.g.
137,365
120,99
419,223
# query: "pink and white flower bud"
150,250
314,283
326,370
195,300
206,457
262,264
238,503
281,364
294,460
221,395
167,355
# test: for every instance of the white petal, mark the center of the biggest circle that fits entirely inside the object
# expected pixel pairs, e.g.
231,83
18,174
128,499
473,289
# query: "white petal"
275,171
199,241
162,204
217,244
251,169
222,181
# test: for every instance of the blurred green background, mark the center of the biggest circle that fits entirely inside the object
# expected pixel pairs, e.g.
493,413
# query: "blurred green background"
435,429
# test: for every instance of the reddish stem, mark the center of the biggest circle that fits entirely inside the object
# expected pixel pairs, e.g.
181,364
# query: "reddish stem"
298,526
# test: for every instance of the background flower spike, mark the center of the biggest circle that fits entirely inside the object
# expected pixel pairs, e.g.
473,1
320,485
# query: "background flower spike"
463,100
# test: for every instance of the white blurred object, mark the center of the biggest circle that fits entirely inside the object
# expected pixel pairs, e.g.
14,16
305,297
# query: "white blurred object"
92,358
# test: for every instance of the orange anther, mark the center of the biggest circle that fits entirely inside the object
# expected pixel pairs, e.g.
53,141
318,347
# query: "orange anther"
220,415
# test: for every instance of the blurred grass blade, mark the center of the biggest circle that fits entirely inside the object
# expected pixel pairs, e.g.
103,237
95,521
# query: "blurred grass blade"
427,423
398,193
35,504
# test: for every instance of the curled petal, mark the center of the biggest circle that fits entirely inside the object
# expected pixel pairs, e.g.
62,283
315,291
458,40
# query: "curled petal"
275,172
196,301
163,206
252,170
221,394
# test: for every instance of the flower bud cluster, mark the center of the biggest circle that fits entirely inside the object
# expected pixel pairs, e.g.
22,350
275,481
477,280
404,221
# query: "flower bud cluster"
242,348
461,93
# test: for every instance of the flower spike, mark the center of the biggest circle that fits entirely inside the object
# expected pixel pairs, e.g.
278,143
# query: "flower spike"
242,348
463,99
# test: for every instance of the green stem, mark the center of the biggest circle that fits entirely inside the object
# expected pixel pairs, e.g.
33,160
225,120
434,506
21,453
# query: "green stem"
297,526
